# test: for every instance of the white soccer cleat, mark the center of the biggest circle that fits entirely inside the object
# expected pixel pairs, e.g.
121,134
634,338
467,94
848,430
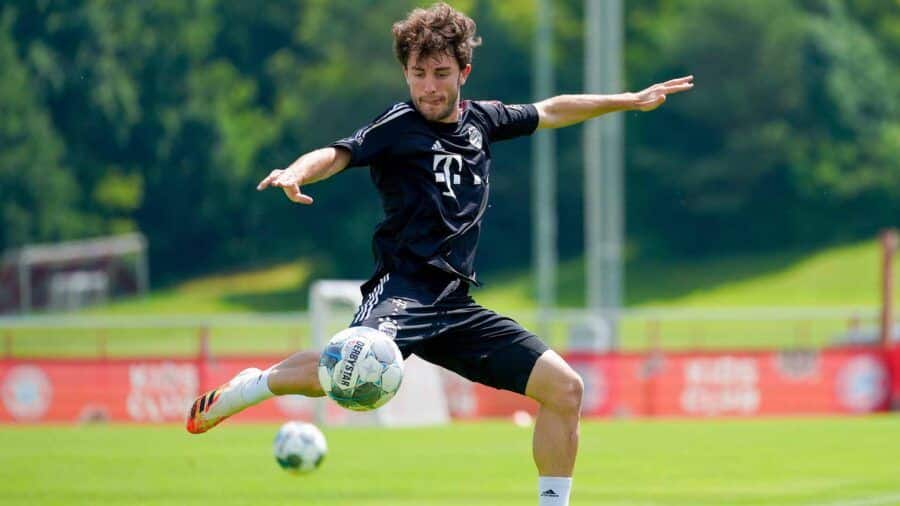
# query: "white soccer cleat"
213,407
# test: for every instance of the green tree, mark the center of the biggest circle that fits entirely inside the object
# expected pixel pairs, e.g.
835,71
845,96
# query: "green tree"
37,192
787,139
161,116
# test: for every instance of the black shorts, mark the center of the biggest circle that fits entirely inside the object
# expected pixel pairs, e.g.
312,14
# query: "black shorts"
451,331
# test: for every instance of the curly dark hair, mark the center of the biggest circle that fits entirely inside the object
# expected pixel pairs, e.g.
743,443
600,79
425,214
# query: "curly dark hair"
438,29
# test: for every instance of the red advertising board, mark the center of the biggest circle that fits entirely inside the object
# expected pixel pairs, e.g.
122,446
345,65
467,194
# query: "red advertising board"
72,390
893,360
837,381
132,390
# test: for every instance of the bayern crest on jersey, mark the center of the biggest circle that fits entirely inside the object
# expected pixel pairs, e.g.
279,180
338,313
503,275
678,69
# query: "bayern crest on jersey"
474,137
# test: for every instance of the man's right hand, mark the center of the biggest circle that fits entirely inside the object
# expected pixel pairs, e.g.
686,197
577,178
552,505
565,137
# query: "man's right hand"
289,182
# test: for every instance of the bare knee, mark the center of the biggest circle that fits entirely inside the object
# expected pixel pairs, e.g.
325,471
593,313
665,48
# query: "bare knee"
555,385
566,395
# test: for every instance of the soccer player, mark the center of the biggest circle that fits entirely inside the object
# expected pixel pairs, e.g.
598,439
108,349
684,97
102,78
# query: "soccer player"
430,160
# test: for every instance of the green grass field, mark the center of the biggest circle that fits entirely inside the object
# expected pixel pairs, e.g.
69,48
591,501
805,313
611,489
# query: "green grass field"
789,462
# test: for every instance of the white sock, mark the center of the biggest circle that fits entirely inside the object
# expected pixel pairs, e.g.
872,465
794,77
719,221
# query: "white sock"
256,388
554,491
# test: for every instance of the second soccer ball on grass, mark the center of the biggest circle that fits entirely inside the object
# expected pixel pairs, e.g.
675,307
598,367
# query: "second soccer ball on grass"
299,447
361,368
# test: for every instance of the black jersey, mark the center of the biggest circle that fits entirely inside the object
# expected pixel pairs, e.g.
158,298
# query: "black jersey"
433,179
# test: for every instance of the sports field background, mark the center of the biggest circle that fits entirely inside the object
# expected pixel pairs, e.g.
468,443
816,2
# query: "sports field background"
764,188
789,462
837,283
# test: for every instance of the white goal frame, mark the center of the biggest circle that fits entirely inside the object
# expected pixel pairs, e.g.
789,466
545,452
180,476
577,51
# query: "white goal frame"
421,400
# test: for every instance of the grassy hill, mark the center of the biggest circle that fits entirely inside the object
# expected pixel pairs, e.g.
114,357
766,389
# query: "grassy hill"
276,288
847,275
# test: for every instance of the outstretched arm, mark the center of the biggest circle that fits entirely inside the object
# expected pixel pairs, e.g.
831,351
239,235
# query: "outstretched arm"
309,168
564,110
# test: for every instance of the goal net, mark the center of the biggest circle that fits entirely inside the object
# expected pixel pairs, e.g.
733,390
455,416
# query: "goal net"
421,399
72,274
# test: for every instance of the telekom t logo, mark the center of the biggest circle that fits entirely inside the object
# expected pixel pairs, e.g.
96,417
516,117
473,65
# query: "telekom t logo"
447,169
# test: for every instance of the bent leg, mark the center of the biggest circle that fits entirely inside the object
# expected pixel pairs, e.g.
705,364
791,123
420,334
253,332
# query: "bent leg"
558,389
297,374
496,351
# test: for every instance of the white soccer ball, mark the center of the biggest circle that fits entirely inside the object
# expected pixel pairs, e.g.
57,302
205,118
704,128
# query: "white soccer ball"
299,447
361,368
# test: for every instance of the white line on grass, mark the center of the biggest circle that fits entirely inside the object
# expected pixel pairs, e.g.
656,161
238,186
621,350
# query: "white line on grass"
863,501
881,500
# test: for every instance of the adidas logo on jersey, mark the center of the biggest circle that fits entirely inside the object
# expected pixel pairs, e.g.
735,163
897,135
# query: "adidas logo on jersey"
549,493
437,146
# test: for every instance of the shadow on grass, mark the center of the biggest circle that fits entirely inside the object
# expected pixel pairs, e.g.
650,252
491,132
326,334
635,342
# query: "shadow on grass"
655,281
287,300
648,281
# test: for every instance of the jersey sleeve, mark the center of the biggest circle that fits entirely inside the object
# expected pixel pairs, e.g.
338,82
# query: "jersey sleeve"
373,140
509,121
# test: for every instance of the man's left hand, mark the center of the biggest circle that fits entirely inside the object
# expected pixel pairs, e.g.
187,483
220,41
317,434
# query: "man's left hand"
654,96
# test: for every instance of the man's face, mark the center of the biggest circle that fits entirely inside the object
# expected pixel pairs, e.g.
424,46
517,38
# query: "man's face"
434,81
